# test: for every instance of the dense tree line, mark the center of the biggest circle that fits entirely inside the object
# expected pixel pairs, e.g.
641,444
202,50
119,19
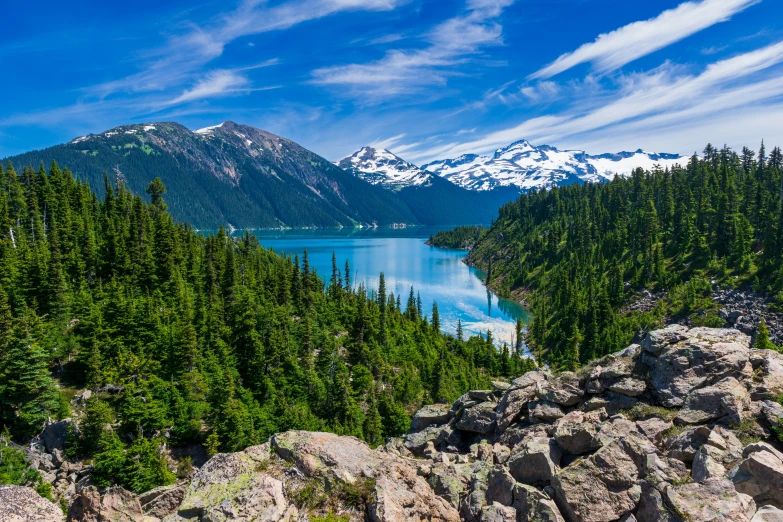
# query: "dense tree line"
205,339
580,253
462,238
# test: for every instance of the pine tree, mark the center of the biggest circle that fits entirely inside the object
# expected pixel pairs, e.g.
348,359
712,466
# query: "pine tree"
29,396
373,427
762,341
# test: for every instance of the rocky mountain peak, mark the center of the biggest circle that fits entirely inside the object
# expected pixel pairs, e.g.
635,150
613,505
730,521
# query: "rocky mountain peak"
382,167
526,166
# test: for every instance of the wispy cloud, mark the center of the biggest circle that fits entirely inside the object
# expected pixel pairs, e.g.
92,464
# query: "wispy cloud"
611,51
407,70
216,82
174,73
389,38
186,54
388,142
666,96
541,91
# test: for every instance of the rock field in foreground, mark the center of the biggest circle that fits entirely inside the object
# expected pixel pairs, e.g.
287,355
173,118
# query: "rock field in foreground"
681,428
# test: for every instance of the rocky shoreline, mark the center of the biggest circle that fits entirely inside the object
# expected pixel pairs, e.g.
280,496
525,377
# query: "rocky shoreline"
683,427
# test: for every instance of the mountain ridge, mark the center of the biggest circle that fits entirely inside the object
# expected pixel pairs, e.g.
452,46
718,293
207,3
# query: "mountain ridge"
228,174
431,198
527,166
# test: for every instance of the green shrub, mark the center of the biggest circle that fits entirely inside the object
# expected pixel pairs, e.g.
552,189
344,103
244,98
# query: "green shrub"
331,517
14,469
138,468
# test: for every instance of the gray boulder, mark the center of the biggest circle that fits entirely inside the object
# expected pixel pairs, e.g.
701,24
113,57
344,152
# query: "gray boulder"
707,465
655,341
23,504
432,415
114,504
606,485
482,395
232,486
768,514
478,419
654,428
162,501
612,402
535,461
714,500
629,386
652,507
760,474
445,481
544,411
500,486
772,413
418,442
513,402
726,401
697,358
498,513
533,505
55,433
767,375
684,445
562,393
399,492
577,432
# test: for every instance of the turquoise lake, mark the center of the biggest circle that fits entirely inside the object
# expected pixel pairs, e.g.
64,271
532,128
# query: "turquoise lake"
438,275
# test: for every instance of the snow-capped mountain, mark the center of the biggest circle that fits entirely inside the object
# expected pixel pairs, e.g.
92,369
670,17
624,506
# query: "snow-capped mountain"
527,166
381,167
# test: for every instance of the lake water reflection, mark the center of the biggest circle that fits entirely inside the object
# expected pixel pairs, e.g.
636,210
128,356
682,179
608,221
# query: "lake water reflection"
438,275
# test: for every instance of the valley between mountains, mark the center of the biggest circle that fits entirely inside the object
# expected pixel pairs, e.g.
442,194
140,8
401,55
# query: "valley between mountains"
244,178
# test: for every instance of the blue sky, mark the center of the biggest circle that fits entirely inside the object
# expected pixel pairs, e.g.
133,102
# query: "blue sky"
427,79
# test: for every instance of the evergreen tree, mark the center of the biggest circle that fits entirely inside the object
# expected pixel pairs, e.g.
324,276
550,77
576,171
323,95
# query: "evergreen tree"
762,341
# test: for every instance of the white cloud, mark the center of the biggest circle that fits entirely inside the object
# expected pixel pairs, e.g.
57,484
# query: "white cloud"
173,73
611,51
541,91
648,104
404,71
387,143
186,54
215,83
389,38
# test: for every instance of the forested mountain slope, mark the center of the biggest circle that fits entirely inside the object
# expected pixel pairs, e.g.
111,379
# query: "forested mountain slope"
228,174
184,338
579,254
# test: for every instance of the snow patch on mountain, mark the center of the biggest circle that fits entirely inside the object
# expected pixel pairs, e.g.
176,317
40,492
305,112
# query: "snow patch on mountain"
527,166
208,130
381,167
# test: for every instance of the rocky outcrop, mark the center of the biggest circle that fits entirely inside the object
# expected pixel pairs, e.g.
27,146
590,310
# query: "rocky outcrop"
163,501
760,474
662,431
714,500
112,505
23,504
649,434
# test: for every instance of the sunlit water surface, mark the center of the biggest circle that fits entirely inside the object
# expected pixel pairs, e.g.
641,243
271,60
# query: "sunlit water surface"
439,275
